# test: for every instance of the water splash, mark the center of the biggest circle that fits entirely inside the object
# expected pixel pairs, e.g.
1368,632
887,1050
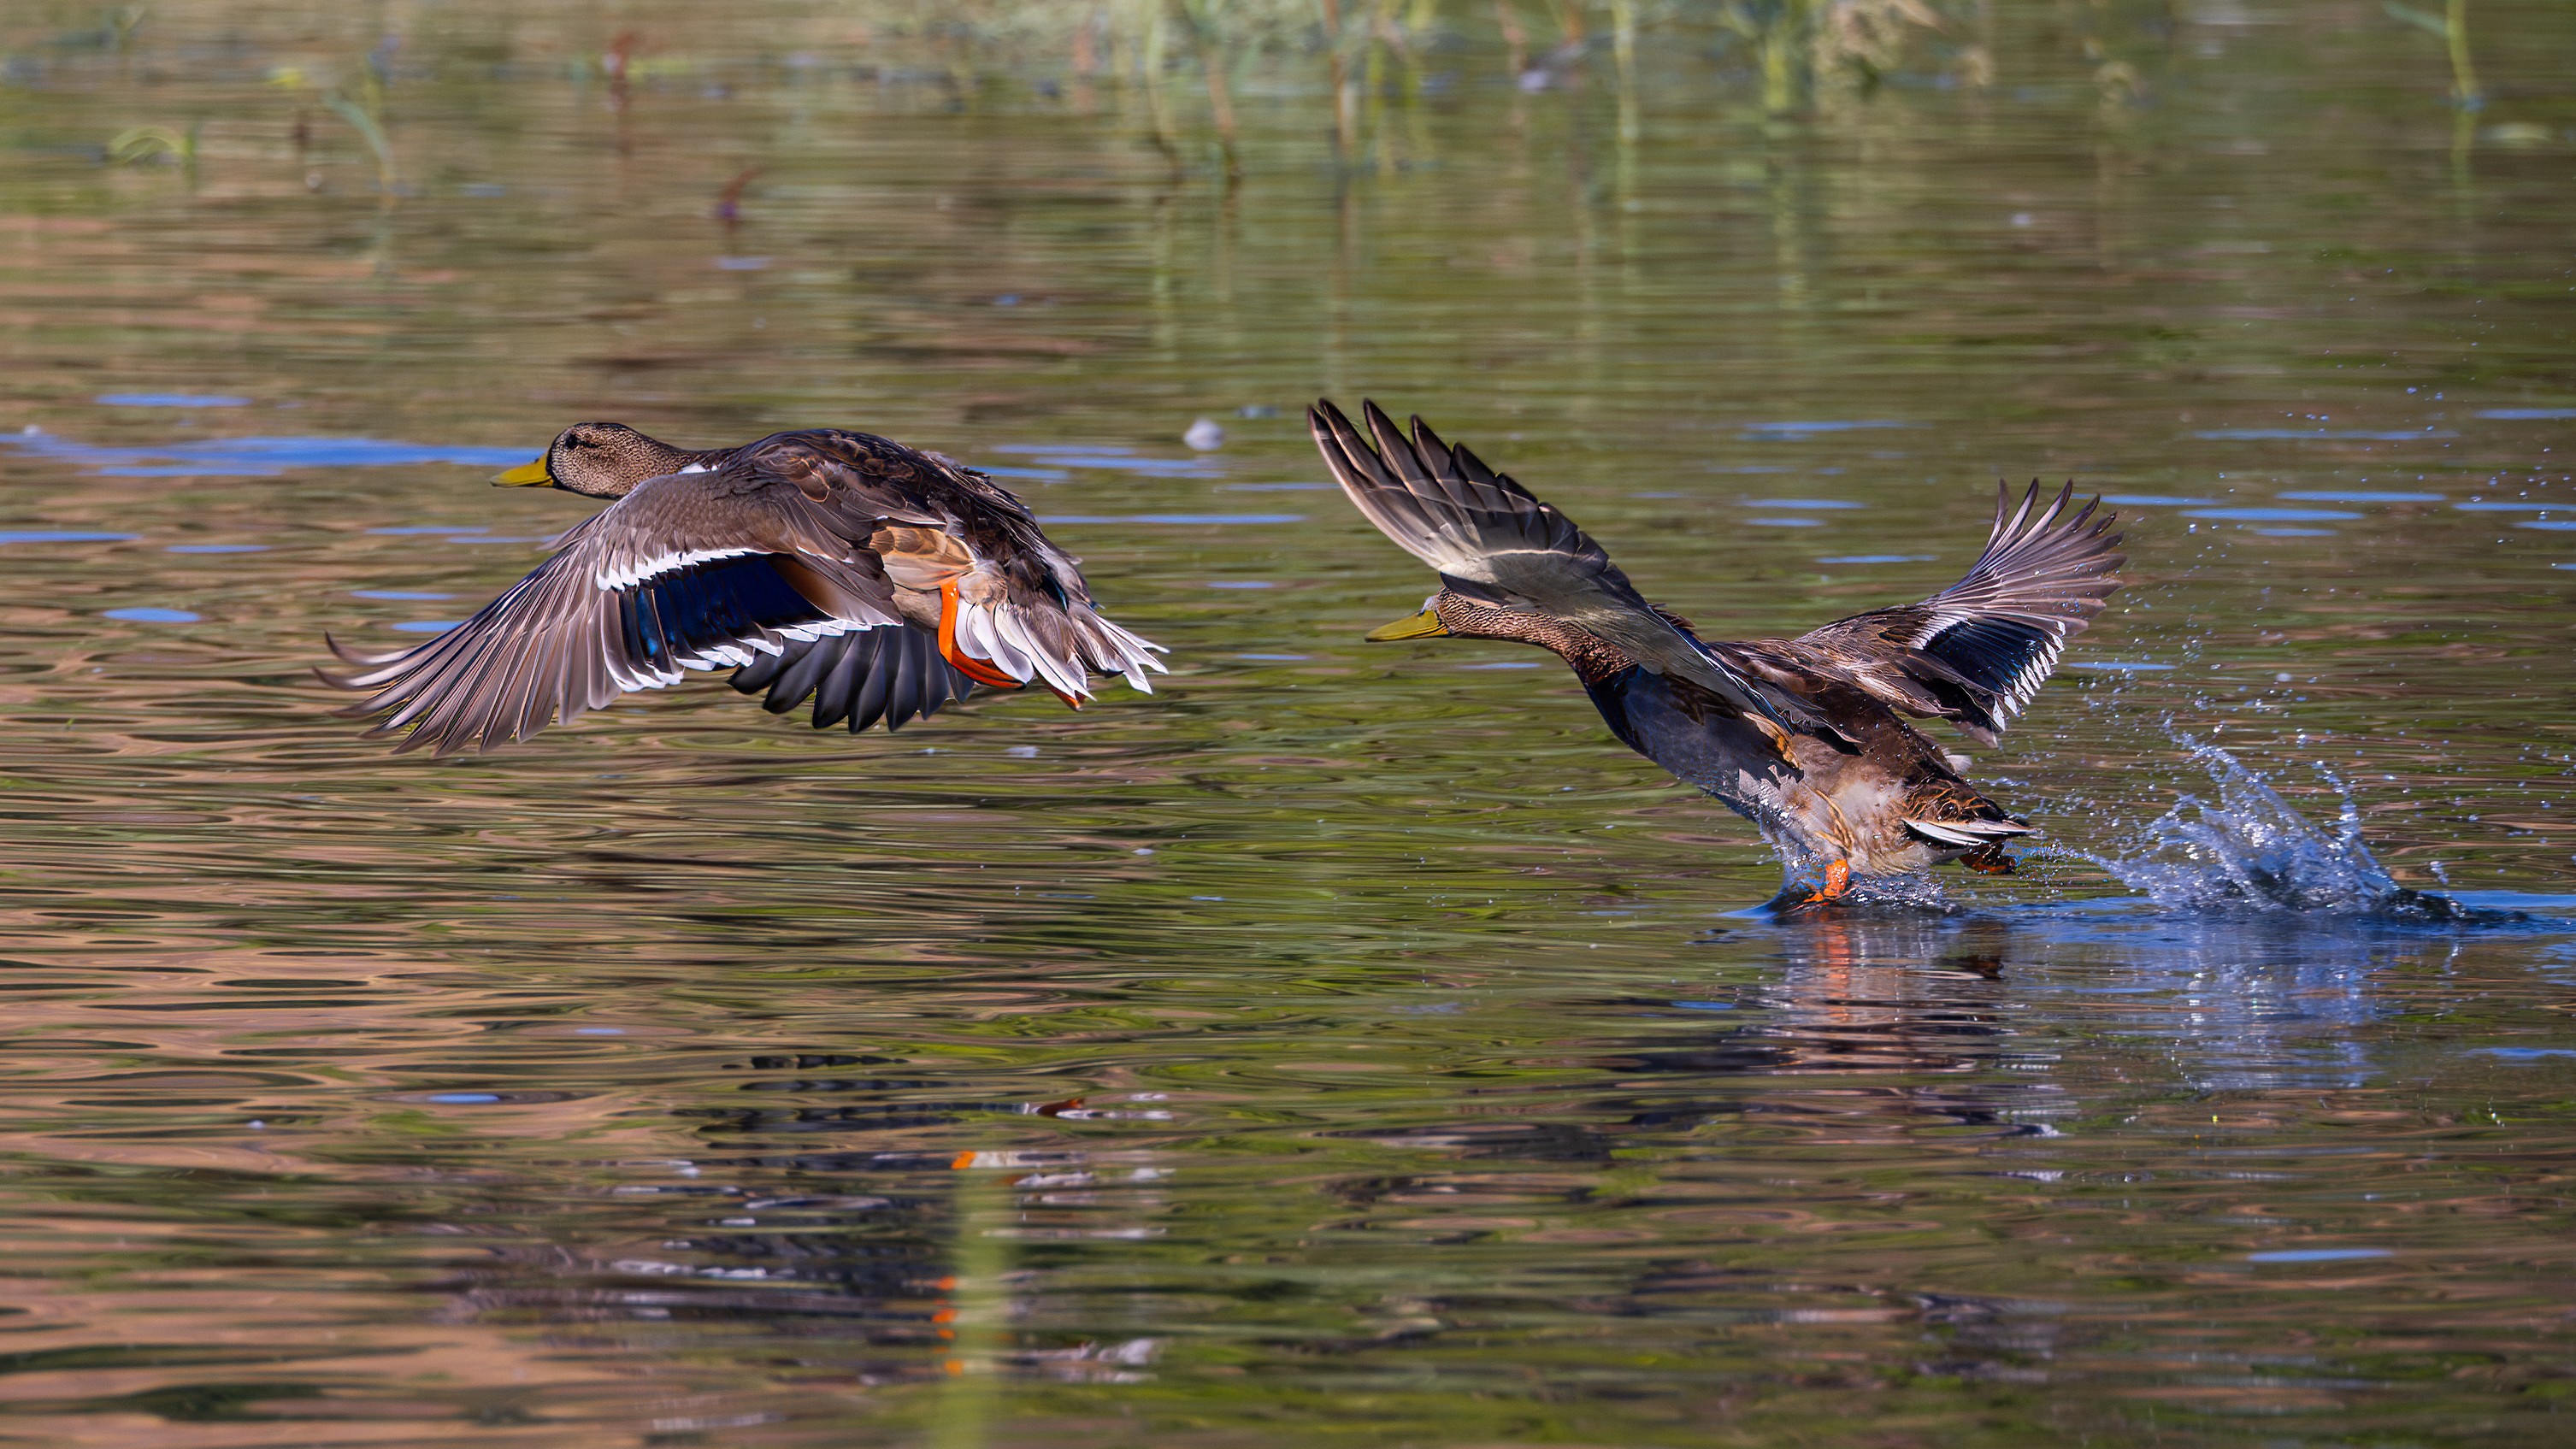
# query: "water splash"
1802,874
2251,851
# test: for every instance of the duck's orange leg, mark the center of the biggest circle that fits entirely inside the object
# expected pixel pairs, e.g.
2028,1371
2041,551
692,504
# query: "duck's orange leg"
975,669
1837,881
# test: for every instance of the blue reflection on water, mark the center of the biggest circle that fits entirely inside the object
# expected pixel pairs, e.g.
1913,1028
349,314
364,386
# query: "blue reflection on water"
2269,515
2315,1255
170,400
2303,435
254,457
1809,429
47,535
1058,455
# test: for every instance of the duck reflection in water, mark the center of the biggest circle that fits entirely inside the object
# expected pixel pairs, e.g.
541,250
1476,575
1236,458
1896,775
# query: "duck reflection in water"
834,1212
1866,1031
2242,1002
1857,993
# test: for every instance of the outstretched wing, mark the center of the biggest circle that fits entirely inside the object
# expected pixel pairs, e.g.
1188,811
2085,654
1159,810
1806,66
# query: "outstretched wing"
1976,652
1493,541
696,570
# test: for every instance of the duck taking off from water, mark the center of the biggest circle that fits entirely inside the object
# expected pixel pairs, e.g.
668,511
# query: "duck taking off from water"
1800,736
877,579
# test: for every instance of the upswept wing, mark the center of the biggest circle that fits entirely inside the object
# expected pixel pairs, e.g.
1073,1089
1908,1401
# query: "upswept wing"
1445,507
1976,652
1494,541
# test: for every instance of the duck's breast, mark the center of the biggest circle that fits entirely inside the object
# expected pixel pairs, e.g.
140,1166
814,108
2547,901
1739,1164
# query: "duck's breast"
1723,753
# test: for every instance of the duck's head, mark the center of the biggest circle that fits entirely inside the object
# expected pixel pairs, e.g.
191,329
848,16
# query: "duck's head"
598,460
1452,614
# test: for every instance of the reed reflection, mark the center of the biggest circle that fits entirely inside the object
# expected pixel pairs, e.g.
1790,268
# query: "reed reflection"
834,1217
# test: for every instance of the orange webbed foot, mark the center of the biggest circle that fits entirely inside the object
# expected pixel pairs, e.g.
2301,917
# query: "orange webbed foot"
1837,881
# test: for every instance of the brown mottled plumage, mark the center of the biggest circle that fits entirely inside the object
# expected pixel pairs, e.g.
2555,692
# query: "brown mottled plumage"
1801,736
880,580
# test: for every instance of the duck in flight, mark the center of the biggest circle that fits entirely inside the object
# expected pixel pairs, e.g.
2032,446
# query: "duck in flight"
878,580
1802,736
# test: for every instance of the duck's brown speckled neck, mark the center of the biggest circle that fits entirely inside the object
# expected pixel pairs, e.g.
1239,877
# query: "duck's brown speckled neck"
1592,659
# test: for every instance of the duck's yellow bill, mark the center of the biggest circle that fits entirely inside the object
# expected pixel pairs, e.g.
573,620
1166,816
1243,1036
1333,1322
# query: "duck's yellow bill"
526,475
1420,626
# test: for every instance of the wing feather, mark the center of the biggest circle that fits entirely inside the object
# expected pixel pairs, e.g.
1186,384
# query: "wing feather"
1976,652
688,571
1493,541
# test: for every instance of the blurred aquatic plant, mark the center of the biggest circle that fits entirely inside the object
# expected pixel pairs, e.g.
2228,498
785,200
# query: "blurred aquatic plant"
729,201
370,129
1868,36
2452,25
1802,46
154,143
122,22
1206,21
1183,68
1381,57
361,105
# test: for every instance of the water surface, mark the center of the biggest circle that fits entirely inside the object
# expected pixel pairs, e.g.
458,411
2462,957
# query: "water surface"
1348,1043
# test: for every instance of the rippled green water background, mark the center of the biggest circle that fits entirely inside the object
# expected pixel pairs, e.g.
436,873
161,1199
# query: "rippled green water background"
1348,1044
